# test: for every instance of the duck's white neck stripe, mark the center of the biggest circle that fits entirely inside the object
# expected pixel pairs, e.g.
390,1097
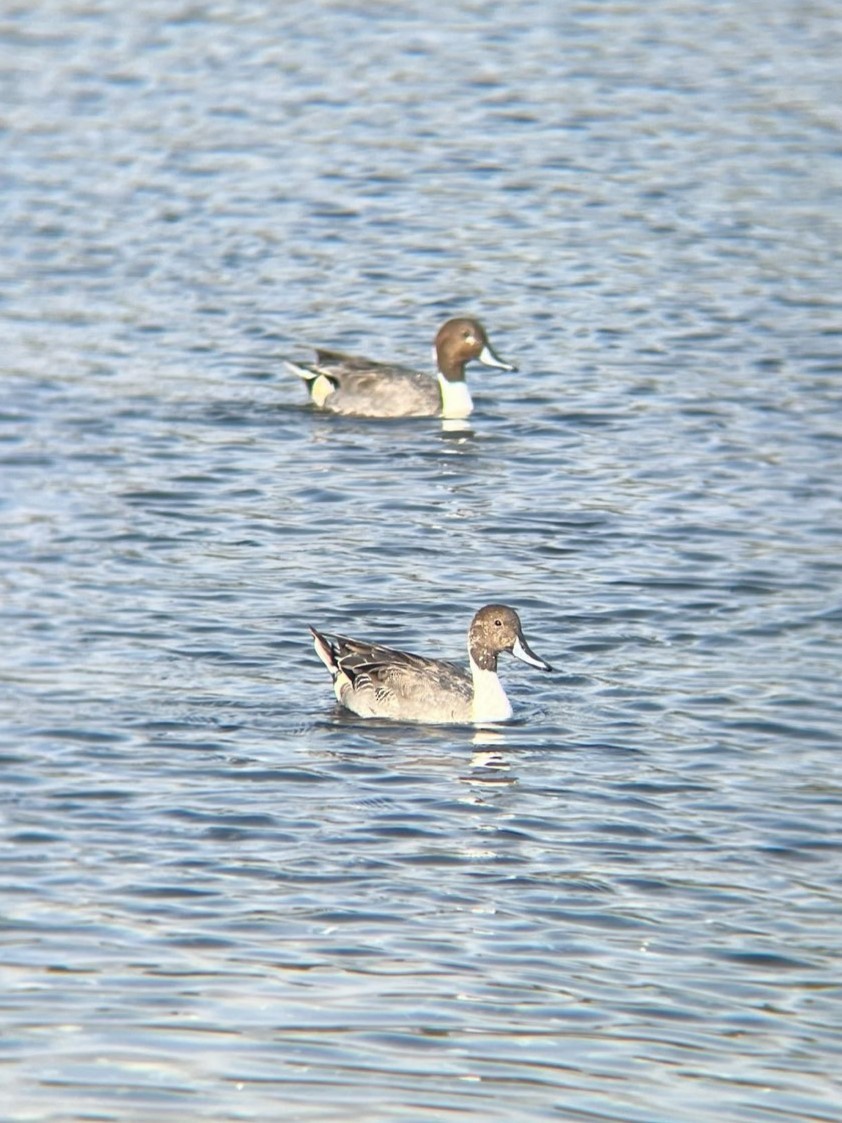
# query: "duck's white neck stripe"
490,702
455,397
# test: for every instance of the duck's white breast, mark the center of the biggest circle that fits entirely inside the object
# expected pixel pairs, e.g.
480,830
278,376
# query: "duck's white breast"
490,702
456,398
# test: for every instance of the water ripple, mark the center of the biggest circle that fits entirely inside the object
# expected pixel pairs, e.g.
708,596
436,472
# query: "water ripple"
221,895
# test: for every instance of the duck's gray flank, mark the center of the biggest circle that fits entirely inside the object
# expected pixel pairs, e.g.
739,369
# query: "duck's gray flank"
373,680
360,387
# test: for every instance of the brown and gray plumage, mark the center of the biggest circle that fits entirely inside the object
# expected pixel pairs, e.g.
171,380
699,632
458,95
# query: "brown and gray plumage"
376,681
360,387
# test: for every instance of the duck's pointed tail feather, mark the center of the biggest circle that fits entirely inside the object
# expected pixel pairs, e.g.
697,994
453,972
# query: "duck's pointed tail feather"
325,651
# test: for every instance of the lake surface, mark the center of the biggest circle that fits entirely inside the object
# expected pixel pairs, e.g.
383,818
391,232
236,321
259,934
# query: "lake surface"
221,898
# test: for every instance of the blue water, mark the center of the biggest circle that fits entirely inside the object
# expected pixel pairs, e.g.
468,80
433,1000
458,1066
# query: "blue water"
223,899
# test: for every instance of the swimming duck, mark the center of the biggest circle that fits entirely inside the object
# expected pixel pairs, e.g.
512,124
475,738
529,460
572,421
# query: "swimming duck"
376,681
359,387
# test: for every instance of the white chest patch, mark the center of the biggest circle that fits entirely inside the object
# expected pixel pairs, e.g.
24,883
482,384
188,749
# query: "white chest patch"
490,701
456,398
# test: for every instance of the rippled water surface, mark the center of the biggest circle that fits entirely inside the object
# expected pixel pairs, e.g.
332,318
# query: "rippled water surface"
221,898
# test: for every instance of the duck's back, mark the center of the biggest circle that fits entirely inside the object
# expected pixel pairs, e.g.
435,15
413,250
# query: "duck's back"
381,682
366,388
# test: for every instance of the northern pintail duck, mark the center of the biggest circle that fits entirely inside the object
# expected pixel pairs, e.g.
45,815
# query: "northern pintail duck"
376,681
361,387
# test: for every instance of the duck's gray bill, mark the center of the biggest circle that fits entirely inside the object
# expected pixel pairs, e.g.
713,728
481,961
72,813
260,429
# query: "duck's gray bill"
489,359
521,650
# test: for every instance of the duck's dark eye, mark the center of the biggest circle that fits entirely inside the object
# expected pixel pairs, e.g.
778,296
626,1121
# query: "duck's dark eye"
498,623
467,335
